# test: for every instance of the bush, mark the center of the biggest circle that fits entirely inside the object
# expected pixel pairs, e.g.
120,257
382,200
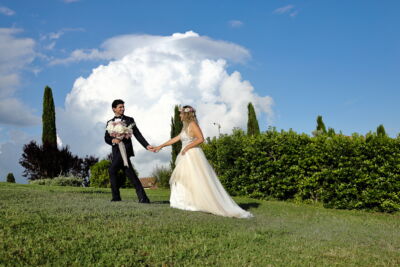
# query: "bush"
347,172
10,178
48,161
162,175
100,176
45,181
59,181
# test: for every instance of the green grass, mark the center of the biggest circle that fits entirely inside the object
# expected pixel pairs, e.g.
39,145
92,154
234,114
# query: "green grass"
59,226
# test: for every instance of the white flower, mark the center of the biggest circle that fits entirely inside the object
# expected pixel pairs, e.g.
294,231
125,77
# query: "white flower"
119,130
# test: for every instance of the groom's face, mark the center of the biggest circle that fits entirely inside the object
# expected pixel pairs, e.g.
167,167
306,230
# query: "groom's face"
119,110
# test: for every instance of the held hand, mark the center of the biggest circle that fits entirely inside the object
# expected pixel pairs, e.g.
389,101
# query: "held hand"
157,148
150,148
116,141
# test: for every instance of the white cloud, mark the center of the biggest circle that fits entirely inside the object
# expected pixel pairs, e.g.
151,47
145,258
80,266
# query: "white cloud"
50,46
6,11
283,10
59,142
58,34
294,13
190,43
152,74
236,23
14,112
81,55
52,37
15,55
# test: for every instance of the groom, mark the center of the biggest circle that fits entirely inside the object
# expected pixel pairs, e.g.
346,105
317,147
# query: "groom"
117,161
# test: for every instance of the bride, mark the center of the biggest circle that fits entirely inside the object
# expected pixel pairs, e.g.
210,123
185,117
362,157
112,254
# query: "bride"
194,184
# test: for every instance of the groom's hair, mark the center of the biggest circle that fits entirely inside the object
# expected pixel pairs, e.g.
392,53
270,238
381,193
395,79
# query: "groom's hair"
116,102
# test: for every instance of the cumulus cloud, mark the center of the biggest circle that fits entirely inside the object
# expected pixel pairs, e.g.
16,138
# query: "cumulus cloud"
6,11
200,46
15,56
59,142
236,23
156,73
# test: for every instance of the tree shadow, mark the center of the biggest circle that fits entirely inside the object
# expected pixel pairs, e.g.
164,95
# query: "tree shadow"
249,205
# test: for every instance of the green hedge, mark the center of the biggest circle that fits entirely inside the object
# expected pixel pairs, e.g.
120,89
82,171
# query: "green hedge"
346,172
59,181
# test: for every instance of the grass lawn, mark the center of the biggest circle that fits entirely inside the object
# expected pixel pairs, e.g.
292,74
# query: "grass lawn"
58,226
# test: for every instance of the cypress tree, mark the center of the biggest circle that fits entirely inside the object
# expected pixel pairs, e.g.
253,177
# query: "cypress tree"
380,131
252,123
331,132
320,125
10,178
49,133
176,128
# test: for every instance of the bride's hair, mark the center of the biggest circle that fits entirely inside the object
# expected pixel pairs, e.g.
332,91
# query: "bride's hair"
189,114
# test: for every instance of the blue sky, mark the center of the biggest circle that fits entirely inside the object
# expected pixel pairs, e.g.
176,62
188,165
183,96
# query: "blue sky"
338,59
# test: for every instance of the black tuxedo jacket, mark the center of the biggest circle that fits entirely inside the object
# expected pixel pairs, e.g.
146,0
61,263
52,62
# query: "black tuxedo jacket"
128,142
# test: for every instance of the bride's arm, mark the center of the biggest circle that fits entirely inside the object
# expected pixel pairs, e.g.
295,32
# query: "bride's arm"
168,143
195,129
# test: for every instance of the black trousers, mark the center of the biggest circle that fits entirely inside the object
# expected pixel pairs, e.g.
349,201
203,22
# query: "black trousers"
117,164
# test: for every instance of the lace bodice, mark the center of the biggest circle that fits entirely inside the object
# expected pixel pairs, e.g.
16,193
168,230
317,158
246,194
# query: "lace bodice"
186,138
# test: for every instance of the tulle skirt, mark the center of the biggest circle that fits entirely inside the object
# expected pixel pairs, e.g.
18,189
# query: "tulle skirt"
196,187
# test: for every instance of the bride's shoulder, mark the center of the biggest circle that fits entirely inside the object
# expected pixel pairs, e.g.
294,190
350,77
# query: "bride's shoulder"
193,124
193,127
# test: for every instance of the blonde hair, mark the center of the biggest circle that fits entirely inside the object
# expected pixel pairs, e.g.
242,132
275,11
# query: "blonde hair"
189,115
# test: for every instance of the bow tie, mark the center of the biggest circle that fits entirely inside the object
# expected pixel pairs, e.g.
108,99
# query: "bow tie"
118,117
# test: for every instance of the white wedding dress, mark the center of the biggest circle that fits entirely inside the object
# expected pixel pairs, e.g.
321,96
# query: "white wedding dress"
196,187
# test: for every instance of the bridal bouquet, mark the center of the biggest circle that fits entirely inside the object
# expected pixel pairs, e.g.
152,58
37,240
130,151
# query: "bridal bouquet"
119,130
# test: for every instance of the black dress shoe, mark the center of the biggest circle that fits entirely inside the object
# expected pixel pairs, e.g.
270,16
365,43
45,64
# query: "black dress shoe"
113,200
144,201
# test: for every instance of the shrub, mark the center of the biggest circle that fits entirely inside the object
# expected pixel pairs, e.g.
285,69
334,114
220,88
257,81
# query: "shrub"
59,181
10,178
347,172
48,161
162,175
100,176
45,181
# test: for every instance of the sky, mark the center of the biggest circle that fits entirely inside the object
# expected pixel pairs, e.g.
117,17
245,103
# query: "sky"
294,60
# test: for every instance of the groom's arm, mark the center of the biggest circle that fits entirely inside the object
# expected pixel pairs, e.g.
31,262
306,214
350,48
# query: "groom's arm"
139,135
108,138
